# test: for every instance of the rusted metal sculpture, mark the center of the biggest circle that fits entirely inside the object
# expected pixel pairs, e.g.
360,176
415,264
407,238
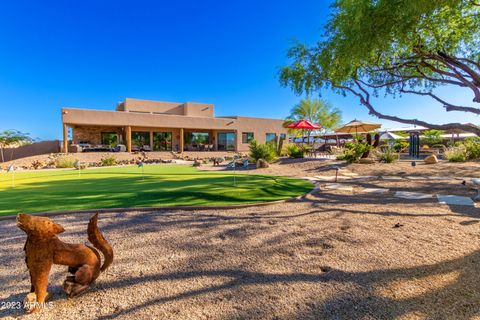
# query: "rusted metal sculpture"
43,249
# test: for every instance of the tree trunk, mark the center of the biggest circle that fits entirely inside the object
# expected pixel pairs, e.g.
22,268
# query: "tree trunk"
1,151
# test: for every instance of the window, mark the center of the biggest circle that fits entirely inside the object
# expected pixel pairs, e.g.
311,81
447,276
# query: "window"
109,139
162,141
270,137
247,137
195,141
283,136
140,139
226,141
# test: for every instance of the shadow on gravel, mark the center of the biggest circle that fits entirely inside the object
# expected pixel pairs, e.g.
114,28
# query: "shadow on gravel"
459,298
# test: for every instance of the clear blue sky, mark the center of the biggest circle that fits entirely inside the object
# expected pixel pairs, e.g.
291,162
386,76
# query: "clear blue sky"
91,54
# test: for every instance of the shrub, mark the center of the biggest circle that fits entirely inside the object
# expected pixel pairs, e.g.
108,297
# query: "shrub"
439,146
400,145
387,155
108,161
472,148
37,164
456,154
295,151
65,162
265,151
354,150
432,137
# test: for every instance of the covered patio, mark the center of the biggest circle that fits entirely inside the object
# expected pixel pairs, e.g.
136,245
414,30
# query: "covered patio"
133,139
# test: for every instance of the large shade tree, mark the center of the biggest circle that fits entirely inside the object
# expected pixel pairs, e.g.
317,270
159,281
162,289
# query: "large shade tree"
316,111
374,47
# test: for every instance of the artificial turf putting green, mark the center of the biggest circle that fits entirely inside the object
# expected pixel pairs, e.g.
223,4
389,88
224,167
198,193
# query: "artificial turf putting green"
122,187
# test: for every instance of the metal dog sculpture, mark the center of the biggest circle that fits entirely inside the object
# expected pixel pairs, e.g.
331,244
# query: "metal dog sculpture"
43,249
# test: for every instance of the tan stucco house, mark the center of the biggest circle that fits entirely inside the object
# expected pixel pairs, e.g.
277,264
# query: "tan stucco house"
166,126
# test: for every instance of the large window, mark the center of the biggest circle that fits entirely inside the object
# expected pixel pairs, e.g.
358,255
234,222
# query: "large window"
226,141
247,137
109,139
162,141
196,141
270,137
140,139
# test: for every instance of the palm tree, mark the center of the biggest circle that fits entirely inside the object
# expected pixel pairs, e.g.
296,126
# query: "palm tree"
316,111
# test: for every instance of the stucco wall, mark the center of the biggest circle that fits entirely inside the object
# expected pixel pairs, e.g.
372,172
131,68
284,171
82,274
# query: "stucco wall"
194,109
34,149
153,106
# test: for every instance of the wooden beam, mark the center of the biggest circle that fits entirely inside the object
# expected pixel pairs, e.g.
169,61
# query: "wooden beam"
181,140
128,136
151,140
65,138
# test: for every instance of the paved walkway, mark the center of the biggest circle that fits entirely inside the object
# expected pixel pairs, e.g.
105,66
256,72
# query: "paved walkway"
337,183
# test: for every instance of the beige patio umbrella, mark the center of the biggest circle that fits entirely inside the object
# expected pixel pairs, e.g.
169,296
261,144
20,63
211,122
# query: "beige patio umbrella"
356,126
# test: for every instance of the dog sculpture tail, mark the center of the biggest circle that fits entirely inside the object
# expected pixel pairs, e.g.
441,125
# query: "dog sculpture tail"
99,242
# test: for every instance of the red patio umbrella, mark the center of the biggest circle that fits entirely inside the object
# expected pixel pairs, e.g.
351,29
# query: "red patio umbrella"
304,125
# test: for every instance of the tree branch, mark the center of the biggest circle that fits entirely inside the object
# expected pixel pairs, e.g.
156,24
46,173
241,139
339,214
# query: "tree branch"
446,105
468,127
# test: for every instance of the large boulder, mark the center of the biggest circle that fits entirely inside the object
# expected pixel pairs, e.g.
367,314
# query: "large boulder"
262,163
432,159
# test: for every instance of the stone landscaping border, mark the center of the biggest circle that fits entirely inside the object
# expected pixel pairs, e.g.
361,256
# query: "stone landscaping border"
315,188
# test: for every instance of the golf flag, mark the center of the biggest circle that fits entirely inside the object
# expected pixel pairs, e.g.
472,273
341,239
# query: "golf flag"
77,166
140,165
12,170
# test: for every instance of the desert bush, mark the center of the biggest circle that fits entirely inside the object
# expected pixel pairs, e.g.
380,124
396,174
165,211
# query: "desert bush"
439,146
279,147
400,145
65,162
387,155
295,151
354,150
37,164
265,151
108,161
456,154
472,148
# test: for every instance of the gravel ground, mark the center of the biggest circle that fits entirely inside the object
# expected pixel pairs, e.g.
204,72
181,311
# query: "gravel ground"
332,255
312,167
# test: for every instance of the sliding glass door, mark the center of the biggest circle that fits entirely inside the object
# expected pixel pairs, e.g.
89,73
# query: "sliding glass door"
162,141
226,141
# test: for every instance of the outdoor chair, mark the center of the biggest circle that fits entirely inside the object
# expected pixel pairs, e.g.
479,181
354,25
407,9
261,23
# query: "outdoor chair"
120,148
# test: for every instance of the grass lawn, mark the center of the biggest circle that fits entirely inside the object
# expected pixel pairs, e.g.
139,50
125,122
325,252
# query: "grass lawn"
119,187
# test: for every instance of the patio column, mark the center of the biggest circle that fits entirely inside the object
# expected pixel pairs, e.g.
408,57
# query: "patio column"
128,138
181,140
151,140
65,138
237,141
